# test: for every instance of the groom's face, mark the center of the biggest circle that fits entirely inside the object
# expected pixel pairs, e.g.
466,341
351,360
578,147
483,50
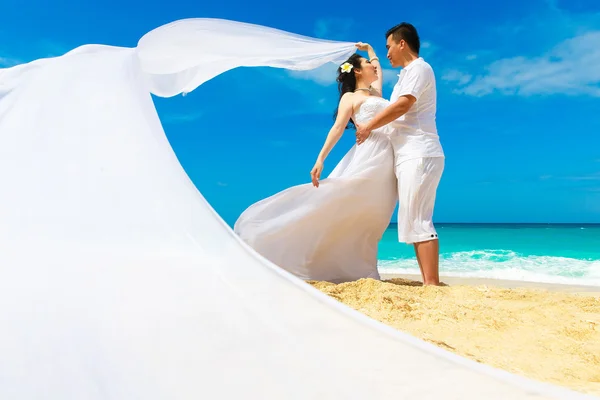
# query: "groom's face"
394,51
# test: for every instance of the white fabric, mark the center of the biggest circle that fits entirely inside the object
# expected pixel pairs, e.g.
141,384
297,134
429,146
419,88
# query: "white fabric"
418,180
331,232
180,56
119,281
416,132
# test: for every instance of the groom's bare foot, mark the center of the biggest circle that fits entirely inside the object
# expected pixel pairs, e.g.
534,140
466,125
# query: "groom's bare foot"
428,258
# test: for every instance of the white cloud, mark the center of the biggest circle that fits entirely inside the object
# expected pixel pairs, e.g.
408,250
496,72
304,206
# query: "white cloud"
553,50
571,68
427,49
324,75
457,76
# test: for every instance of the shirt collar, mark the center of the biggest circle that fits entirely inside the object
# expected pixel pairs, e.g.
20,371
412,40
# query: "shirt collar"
412,64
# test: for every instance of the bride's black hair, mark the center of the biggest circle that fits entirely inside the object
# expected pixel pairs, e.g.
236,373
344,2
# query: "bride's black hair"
347,81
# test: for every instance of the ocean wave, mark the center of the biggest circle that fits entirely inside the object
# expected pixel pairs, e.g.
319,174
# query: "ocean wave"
506,264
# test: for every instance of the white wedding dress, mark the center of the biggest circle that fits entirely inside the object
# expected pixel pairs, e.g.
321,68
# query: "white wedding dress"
331,233
118,280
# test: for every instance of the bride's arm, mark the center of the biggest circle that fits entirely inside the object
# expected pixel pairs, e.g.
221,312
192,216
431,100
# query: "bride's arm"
334,135
336,131
373,59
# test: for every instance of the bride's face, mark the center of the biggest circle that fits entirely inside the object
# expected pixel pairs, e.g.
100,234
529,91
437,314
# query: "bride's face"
368,72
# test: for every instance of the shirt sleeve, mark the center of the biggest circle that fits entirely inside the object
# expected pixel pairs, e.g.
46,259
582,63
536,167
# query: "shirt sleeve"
415,82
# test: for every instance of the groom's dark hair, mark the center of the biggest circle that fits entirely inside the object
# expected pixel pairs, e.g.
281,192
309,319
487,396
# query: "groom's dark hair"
407,32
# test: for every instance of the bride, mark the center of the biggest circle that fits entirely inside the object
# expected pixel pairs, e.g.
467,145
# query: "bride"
329,230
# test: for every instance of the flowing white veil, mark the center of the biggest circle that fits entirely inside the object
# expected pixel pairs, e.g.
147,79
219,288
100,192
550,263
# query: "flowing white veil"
180,56
119,281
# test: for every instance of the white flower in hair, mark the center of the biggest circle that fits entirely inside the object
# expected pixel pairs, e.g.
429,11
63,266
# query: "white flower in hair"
346,67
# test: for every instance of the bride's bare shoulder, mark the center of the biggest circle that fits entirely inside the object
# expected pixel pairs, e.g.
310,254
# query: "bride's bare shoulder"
348,96
347,100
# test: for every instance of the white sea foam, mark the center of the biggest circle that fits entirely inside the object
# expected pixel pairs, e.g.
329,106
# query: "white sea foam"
506,264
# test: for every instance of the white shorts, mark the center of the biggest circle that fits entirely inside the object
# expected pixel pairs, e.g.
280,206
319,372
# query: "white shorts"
418,181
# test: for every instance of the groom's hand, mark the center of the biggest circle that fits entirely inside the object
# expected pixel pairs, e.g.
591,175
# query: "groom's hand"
362,133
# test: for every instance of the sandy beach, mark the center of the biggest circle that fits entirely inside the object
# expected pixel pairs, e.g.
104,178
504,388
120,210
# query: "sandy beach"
547,332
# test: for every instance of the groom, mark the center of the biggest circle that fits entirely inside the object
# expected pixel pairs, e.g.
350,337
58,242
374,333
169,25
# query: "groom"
419,157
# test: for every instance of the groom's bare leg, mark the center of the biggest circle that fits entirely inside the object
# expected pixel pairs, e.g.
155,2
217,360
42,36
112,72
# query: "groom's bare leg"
428,258
420,266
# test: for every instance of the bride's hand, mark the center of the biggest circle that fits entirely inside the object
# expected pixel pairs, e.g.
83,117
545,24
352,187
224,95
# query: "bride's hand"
363,46
315,173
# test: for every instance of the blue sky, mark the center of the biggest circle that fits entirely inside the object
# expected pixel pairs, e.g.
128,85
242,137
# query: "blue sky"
518,97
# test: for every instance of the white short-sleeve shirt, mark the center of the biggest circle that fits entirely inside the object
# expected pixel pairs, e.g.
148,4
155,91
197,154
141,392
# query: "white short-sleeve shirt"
415,133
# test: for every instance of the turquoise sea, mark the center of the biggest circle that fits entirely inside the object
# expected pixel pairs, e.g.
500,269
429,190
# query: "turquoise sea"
554,253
